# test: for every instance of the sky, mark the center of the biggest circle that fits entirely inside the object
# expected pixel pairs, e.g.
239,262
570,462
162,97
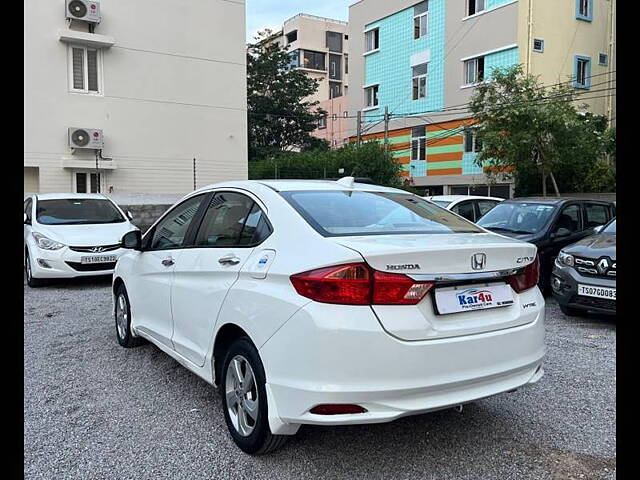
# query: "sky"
273,13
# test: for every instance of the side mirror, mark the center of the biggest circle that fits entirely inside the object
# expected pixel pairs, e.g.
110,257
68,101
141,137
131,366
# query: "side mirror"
129,215
562,232
598,229
132,240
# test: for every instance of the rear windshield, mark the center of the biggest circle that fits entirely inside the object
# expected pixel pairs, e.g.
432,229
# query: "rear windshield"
82,211
441,203
339,213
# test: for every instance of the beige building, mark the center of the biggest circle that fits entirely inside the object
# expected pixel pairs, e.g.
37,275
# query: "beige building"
319,47
163,81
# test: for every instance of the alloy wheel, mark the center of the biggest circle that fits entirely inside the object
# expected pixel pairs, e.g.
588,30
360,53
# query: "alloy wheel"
241,394
122,316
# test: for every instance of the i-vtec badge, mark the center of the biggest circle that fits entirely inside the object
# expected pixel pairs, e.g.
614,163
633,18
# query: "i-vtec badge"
409,266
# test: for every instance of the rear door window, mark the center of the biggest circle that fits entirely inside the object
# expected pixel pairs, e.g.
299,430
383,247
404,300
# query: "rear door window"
466,210
596,214
569,219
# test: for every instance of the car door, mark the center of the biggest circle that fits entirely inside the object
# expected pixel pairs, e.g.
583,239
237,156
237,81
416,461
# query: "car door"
465,209
567,228
233,224
149,285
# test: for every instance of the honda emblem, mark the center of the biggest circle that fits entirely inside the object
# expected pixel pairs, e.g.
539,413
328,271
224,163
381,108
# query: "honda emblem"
478,261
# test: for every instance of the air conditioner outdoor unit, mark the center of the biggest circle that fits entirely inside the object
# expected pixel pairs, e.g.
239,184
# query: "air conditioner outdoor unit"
84,10
89,138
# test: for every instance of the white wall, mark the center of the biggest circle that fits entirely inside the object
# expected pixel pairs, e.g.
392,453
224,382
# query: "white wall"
174,89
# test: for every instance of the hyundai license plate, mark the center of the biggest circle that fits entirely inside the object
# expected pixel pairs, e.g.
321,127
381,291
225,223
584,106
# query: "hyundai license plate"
467,299
99,259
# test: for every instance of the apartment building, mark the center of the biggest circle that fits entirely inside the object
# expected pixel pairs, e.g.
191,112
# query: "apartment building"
422,60
122,96
319,47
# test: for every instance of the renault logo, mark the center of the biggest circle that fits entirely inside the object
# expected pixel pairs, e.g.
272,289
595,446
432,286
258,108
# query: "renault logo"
603,266
478,261
97,250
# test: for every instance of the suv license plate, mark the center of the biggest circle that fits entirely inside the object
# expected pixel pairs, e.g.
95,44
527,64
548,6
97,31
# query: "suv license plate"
99,259
597,292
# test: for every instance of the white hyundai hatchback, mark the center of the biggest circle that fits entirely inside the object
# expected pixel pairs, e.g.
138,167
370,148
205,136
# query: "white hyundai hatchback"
71,235
330,303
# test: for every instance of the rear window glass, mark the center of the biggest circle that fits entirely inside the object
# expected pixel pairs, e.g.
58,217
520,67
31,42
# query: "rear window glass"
441,203
338,213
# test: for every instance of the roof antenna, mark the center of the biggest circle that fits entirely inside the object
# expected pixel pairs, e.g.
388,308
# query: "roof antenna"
347,182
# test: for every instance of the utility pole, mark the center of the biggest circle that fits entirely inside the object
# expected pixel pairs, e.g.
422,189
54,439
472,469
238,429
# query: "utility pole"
359,127
97,174
386,128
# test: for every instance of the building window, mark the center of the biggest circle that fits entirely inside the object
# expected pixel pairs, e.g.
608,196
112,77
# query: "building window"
371,96
538,45
471,143
292,37
419,143
335,89
420,20
584,10
582,72
334,42
420,81
335,67
313,60
475,6
84,69
322,122
603,59
474,71
372,40
87,182
346,63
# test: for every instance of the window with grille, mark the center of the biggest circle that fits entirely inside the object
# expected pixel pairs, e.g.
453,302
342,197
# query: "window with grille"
582,72
334,41
538,45
84,69
471,143
419,143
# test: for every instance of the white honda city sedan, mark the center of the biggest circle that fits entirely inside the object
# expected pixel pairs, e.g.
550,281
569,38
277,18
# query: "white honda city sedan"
330,303
71,235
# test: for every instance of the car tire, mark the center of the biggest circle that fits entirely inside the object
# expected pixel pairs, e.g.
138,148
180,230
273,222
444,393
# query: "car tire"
122,315
570,311
243,393
31,281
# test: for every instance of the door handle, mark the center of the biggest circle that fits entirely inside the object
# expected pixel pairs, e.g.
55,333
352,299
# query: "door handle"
168,262
229,260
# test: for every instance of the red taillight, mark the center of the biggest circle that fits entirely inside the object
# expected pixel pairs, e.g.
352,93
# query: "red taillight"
527,279
334,409
358,284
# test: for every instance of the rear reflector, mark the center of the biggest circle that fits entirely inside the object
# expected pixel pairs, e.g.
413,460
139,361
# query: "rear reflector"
359,284
337,409
526,279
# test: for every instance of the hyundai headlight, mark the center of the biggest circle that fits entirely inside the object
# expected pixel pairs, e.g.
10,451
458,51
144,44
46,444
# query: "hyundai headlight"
566,259
46,243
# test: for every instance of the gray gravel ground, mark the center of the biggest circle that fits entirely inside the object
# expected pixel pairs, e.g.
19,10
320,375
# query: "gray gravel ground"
93,410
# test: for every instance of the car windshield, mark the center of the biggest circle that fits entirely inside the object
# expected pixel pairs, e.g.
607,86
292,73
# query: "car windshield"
442,203
611,228
77,211
339,213
523,218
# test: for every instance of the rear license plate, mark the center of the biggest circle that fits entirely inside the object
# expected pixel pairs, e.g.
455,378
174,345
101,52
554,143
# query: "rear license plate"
467,299
99,259
597,292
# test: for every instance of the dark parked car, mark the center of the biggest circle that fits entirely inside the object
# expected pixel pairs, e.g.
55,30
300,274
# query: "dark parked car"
584,274
550,223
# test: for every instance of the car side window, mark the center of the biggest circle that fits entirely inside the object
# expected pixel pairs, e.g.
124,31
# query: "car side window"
231,220
596,214
172,230
28,204
569,219
485,205
256,228
465,209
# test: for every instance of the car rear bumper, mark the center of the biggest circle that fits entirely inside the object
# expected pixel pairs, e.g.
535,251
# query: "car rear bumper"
564,283
346,358
66,263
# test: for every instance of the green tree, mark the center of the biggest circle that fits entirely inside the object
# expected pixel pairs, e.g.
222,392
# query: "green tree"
279,117
536,131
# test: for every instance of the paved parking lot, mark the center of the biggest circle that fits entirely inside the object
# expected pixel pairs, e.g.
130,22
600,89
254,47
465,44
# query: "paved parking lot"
96,411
